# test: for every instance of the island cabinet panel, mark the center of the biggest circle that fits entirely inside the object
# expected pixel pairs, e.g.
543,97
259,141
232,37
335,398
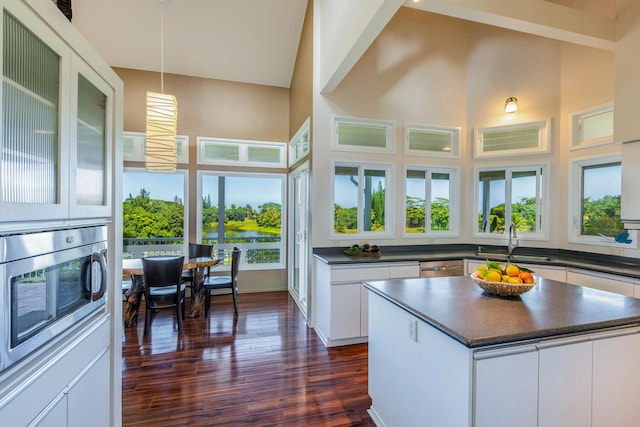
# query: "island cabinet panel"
416,382
341,301
605,282
616,381
506,385
565,385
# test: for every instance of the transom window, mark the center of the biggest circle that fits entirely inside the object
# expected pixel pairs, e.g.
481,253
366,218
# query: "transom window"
360,199
363,135
592,127
232,152
133,146
518,139
430,140
507,196
431,202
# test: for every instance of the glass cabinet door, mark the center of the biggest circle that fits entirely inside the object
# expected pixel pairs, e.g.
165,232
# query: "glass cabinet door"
91,135
31,174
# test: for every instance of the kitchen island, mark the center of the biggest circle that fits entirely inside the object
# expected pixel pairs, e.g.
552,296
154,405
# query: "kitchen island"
442,352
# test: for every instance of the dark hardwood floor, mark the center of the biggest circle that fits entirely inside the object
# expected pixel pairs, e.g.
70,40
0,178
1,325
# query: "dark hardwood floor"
265,369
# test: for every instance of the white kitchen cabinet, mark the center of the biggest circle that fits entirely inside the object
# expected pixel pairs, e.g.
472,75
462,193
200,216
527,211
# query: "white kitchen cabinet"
506,384
341,313
345,311
630,198
88,394
564,389
415,383
605,282
69,382
616,381
54,415
58,123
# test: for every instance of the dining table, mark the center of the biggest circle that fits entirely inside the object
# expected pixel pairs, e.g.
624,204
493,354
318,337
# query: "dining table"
133,267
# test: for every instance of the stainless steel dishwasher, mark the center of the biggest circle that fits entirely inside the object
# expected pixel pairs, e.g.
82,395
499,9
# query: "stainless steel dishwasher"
442,268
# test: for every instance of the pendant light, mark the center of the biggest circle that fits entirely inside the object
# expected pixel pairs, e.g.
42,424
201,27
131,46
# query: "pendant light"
162,121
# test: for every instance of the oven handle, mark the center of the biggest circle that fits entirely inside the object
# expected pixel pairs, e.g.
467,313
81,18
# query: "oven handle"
99,258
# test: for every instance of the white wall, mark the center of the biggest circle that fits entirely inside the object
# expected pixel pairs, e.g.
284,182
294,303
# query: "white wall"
431,69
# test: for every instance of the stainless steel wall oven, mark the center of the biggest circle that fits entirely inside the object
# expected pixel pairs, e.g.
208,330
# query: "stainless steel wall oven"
51,281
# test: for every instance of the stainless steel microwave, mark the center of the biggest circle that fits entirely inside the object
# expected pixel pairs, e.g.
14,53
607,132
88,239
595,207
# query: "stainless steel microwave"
51,281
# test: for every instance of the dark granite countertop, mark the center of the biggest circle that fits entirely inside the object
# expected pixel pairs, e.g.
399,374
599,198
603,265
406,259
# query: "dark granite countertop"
624,266
460,309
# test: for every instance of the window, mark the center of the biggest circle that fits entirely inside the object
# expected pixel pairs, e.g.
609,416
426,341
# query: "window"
508,196
523,138
243,210
436,217
437,141
299,144
595,205
231,152
362,135
133,147
592,127
360,200
154,213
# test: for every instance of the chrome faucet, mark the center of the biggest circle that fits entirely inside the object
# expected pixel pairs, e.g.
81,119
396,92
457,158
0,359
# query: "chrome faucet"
513,239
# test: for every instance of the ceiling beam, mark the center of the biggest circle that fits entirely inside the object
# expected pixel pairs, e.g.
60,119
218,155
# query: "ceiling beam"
536,17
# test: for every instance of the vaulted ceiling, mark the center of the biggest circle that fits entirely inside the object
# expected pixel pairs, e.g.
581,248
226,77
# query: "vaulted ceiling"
251,41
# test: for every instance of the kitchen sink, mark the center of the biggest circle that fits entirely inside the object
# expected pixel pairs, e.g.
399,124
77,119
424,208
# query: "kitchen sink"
528,258
491,256
496,256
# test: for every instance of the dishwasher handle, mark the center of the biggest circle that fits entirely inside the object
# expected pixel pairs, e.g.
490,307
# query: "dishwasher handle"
443,268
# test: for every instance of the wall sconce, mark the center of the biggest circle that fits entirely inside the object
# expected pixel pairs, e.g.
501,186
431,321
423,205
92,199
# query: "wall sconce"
511,105
162,121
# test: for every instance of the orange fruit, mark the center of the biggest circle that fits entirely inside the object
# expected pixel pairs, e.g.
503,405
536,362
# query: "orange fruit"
512,270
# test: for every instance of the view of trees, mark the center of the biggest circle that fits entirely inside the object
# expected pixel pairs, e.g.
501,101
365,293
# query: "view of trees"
346,219
416,215
602,216
523,216
265,220
144,217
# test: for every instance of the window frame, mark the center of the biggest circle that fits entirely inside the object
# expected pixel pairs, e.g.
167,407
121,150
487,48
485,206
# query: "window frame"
184,248
454,202
243,148
542,201
577,143
302,140
544,139
574,226
282,245
454,133
390,126
139,139
389,169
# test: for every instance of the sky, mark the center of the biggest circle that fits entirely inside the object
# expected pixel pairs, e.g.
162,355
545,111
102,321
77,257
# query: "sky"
239,190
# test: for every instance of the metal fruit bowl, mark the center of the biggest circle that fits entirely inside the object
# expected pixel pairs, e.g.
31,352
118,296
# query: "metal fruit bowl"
503,289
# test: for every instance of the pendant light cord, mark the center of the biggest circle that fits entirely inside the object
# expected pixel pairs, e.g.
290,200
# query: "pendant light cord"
162,46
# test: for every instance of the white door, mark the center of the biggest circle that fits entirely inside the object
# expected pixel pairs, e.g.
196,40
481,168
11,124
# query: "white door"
298,236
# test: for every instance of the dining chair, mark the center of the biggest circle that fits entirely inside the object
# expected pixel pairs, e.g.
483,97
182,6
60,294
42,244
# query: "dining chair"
196,250
163,287
215,283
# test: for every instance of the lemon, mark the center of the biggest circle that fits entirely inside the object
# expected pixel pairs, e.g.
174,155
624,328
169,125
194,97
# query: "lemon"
493,276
